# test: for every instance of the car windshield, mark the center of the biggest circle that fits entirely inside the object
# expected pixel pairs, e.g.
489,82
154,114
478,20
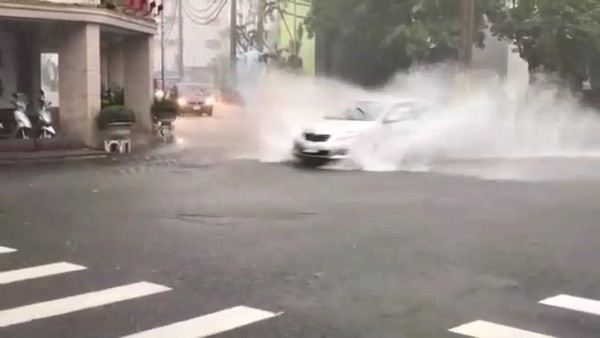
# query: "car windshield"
408,111
362,111
192,90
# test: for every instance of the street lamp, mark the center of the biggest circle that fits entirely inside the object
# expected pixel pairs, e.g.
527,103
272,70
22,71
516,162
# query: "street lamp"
162,49
160,11
233,37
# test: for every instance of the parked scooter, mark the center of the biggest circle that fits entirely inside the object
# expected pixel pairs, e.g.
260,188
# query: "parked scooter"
22,122
44,123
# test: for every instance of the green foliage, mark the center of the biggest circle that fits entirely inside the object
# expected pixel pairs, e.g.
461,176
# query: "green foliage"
164,109
115,114
559,36
113,97
401,32
556,36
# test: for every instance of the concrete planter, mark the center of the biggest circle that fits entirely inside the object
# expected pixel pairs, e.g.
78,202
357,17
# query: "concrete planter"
117,137
118,130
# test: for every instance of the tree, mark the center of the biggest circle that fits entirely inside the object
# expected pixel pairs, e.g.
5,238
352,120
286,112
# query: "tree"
557,36
399,32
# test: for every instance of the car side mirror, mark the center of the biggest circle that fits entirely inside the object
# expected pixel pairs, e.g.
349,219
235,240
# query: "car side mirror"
392,119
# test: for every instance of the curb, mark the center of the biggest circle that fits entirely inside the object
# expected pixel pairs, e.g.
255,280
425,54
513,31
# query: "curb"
41,157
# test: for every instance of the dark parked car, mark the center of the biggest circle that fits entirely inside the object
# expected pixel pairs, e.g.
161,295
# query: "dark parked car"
194,98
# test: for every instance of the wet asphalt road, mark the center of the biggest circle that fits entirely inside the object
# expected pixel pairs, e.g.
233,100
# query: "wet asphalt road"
339,253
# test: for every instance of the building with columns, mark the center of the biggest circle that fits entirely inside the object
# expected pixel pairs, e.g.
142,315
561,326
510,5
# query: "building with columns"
80,46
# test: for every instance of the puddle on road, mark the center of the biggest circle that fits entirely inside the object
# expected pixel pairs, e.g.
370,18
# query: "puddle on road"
492,134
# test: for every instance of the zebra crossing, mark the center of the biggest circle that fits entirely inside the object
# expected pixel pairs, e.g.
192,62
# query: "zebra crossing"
485,329
205,325
4,250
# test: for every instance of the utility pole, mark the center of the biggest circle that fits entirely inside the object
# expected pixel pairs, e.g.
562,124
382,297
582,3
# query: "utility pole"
260,25
467,34
162,48
466,46
233,41
180,40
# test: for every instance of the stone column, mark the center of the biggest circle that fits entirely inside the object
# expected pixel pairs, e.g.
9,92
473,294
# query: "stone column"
79,76
116,65
138,53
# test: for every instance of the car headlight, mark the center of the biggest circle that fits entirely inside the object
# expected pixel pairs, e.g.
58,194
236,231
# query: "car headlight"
159,94
181,101
210,101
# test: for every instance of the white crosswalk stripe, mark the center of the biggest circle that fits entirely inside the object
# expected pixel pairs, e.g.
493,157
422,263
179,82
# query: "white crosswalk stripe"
63,306
202,326
574,303
13,276
209,325
221,321
4,250
483,329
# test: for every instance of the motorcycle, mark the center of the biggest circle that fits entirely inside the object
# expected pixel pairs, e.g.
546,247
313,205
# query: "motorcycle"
22,122
164,128
45,128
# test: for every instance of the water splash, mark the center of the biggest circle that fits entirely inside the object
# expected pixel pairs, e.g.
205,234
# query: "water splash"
490,123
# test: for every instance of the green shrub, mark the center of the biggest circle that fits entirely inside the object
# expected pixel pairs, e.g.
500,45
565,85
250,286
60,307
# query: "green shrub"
113,97
115,114
164,109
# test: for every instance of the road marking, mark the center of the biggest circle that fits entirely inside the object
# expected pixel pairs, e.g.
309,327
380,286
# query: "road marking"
12,276
4,249
483,329
84,301
574,303
210,324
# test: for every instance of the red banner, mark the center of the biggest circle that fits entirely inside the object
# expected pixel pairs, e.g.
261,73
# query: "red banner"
138,5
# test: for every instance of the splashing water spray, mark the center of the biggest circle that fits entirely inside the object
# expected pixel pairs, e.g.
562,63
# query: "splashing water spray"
494,121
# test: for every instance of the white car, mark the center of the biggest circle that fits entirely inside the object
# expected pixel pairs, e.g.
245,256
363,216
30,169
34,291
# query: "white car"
333,137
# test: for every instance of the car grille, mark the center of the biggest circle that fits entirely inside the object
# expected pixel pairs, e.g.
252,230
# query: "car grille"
316,137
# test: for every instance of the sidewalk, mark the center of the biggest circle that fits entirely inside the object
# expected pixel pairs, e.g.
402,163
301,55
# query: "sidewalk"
57,150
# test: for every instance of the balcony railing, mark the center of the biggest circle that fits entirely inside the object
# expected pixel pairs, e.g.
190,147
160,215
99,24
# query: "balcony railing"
74,2
133,5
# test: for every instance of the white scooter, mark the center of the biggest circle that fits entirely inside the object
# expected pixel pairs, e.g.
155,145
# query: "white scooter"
45,128
23,123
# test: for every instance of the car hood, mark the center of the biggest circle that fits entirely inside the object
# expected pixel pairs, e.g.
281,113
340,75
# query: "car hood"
339,127
195,97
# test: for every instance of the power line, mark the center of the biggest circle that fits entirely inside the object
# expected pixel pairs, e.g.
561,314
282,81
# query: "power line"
202,10
204,20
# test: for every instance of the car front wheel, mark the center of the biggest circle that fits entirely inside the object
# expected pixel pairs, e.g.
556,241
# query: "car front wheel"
312,162
208,111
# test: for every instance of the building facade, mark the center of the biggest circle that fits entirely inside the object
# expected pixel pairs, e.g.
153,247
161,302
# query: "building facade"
73,49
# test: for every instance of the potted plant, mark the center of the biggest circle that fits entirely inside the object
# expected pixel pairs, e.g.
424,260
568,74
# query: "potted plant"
116,120
164,110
